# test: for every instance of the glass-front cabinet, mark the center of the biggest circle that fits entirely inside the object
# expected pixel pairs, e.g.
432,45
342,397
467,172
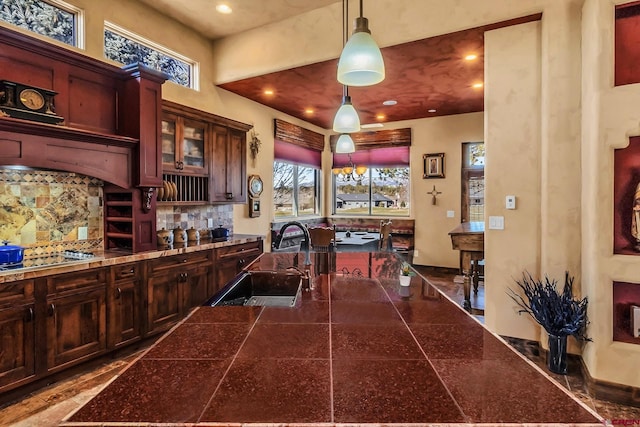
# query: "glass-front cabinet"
184,145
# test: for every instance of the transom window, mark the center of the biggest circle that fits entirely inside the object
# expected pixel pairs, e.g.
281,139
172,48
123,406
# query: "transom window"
52,18
127,48
296,190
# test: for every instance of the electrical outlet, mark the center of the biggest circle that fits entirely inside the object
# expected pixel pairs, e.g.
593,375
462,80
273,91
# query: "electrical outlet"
450,214
83,233
210,222
635,321
416,253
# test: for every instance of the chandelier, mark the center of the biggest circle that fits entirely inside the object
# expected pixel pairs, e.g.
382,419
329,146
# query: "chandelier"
350,171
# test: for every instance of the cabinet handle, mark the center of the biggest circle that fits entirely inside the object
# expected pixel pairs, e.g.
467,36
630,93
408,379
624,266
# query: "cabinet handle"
132,271
184,260
118,293
52,309
228,196
179,165
30,316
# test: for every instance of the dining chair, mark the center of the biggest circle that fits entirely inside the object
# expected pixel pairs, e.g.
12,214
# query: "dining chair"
385,244
323,239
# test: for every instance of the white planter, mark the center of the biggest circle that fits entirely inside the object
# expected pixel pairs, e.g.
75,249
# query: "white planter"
405,280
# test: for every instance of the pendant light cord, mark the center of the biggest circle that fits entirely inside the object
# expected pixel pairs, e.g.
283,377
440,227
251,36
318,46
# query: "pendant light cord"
345,36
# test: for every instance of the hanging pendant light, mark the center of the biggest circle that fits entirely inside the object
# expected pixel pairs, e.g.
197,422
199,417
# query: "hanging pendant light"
346,119
361,62
345,144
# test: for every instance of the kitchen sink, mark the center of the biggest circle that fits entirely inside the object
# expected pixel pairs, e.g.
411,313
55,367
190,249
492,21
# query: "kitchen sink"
260,288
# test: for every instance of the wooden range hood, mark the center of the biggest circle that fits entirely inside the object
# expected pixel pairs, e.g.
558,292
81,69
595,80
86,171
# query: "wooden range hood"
111,128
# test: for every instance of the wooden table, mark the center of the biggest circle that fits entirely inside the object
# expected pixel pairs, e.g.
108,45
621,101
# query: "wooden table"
357,242
468,238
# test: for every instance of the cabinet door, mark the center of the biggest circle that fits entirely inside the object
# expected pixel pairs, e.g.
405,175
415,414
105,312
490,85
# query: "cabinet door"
195,289
194,146
236,166
229,165
170,155
124,305
164,301
17,334
76,327
226,270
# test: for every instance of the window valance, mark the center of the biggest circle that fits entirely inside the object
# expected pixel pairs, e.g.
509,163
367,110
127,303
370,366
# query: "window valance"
377,139
296,135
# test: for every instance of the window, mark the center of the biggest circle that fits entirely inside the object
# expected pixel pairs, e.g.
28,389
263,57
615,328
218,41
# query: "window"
127,48
473,181
295,190
374,191
52,18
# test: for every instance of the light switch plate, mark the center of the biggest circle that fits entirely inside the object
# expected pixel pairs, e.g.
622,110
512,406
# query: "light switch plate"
496,222
210,222
450,214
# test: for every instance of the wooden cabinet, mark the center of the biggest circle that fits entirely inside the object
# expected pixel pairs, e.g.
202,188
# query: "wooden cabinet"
229,183
204,155
17,334
176,284
124,304
76,317
230,260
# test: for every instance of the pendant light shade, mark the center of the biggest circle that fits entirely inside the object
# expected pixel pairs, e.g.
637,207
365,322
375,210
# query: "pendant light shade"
345,144
346,119
361,62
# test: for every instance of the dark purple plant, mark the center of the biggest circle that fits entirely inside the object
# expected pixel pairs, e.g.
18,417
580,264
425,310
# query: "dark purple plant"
559,313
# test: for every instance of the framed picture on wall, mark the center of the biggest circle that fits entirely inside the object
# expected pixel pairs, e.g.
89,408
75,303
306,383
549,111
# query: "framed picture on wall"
433,165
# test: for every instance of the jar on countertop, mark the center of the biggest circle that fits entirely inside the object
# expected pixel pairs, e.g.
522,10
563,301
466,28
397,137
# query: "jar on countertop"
165,239
193,235
179,235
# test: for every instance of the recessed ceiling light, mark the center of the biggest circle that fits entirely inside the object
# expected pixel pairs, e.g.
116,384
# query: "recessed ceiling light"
471,57
477,85
380,116
431,111
308,110
371,125
268,92
224,8
390,102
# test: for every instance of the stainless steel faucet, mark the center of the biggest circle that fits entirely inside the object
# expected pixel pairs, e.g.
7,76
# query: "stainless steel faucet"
305,246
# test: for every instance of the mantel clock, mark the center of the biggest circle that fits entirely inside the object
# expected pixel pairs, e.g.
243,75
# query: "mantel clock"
26,102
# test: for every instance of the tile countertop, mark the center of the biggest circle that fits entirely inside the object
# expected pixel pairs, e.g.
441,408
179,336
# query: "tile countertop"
107,258
358,348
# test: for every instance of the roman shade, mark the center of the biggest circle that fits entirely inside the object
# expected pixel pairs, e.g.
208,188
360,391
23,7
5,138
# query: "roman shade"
386,148
297,145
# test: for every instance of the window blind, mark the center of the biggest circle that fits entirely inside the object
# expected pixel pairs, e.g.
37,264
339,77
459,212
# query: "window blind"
297,145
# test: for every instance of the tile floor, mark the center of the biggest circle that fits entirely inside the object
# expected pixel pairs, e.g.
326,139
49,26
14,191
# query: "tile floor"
49,405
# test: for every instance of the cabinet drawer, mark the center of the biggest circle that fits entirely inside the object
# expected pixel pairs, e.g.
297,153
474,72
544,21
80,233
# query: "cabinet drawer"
72,281
126,271
16,292
244,249
161,265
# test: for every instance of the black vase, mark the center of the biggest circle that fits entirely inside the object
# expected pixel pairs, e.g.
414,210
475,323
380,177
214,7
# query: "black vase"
557,357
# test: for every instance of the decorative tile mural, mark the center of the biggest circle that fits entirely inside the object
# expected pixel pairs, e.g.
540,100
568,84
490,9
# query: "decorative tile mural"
43,210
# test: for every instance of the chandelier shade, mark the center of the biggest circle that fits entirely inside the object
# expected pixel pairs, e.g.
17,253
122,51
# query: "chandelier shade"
345,144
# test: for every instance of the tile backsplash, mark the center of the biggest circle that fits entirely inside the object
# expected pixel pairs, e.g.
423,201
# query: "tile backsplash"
42,211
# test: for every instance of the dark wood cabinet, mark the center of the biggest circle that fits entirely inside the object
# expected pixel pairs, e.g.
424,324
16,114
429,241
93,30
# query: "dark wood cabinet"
204,155
17,334
231,260
124,305
229,183
76,317
126,224
176,284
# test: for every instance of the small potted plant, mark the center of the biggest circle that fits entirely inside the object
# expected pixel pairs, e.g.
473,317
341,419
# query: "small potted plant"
559,313
405,274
